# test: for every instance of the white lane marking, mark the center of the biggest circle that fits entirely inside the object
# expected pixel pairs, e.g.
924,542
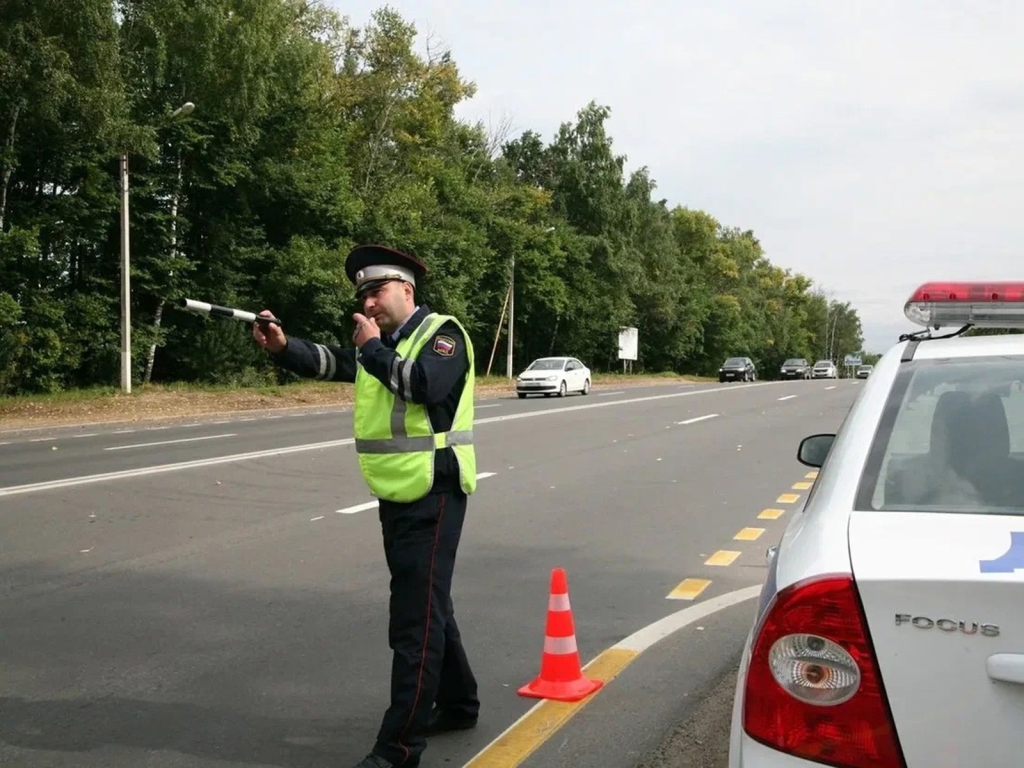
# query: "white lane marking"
87,434
86,551
628,401
494,405
43,440
643,639
373,504
122,431
169,442
314,519
141,471
6,442
787,397
609,394
698,418
356,508
67,482
832,387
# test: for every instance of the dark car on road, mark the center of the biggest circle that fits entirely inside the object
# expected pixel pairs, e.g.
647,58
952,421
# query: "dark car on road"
796,368
738,369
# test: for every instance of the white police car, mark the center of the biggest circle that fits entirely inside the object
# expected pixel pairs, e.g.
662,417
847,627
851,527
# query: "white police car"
890,631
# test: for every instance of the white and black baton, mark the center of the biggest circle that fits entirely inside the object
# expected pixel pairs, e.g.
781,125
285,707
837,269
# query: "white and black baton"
202,308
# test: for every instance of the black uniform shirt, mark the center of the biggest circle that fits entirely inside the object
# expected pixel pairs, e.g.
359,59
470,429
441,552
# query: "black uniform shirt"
436,378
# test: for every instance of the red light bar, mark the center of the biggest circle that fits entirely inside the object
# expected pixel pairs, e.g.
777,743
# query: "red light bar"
986,305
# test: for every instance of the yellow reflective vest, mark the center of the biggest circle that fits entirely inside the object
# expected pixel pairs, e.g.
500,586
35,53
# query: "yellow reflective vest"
395,441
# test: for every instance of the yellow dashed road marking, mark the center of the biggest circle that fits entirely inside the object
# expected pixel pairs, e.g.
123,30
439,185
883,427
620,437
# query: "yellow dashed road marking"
749,534
689,589
722,557
540,723
811,475
788,498
802,486
771,514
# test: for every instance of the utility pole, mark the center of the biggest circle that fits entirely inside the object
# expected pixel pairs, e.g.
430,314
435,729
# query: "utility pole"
511,316
126,288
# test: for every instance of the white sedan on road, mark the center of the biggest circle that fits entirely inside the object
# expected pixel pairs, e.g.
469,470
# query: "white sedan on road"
554,375
890,629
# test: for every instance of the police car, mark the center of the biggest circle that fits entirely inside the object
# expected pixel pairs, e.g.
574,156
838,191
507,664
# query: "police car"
890,629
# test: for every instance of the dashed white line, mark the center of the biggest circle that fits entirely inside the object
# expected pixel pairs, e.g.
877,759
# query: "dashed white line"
493,405
159,468
373,504
697,418
42,440
609,394
787,397
87,434
169,442
314,519
832,387
356,508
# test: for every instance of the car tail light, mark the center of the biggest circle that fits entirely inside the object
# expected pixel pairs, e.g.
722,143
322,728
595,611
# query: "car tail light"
813,688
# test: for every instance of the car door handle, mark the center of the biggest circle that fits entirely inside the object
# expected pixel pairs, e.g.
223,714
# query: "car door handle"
1008,667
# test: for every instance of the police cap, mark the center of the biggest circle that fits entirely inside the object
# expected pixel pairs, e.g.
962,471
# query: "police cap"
370,266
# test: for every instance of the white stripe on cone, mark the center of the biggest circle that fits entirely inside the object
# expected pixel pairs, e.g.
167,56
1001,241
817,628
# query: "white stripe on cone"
560,646
558,603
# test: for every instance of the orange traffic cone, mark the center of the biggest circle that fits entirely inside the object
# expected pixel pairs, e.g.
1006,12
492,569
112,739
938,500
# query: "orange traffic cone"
561,677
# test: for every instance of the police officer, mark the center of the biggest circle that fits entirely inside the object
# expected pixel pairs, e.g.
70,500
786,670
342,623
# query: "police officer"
414,380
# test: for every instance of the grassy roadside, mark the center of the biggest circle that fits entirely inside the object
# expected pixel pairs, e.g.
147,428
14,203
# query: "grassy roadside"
108,404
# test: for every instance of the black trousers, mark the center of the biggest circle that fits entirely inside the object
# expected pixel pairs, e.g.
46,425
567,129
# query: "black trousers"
429,663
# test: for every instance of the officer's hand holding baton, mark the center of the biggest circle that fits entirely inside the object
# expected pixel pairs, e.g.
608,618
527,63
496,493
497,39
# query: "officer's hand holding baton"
269,335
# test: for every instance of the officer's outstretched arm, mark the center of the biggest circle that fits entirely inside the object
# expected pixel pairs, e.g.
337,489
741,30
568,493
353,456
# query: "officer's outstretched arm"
430,377
318,361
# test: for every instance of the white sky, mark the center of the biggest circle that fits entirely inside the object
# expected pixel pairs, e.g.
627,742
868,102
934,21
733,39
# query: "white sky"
869,145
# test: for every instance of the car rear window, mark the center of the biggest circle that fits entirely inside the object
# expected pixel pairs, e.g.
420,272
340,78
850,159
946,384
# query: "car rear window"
951,439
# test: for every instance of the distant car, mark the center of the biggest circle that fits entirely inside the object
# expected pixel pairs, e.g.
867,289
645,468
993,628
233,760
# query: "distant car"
825,369
796,368
738,369
889,632
554,376
864,371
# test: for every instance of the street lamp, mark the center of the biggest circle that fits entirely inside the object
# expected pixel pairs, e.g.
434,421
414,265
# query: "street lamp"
126,289
512,308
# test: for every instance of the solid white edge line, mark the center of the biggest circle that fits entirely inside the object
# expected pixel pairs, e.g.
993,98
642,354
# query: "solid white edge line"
698,418
83,480
170,442
140,471
643,639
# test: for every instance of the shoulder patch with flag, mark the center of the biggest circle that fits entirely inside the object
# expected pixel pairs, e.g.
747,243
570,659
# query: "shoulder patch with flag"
444,345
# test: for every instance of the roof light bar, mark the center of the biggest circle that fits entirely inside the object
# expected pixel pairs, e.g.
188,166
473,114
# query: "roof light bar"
982,304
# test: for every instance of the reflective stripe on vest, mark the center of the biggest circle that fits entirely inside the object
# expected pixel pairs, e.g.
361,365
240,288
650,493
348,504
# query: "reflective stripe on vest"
400,466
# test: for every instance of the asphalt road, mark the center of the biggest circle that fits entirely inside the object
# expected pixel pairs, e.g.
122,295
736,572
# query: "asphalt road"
214,594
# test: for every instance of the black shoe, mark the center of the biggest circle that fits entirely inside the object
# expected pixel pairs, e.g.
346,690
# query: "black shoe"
376,761
442,720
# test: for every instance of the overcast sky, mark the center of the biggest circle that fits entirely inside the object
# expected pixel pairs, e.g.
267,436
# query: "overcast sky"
869,145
